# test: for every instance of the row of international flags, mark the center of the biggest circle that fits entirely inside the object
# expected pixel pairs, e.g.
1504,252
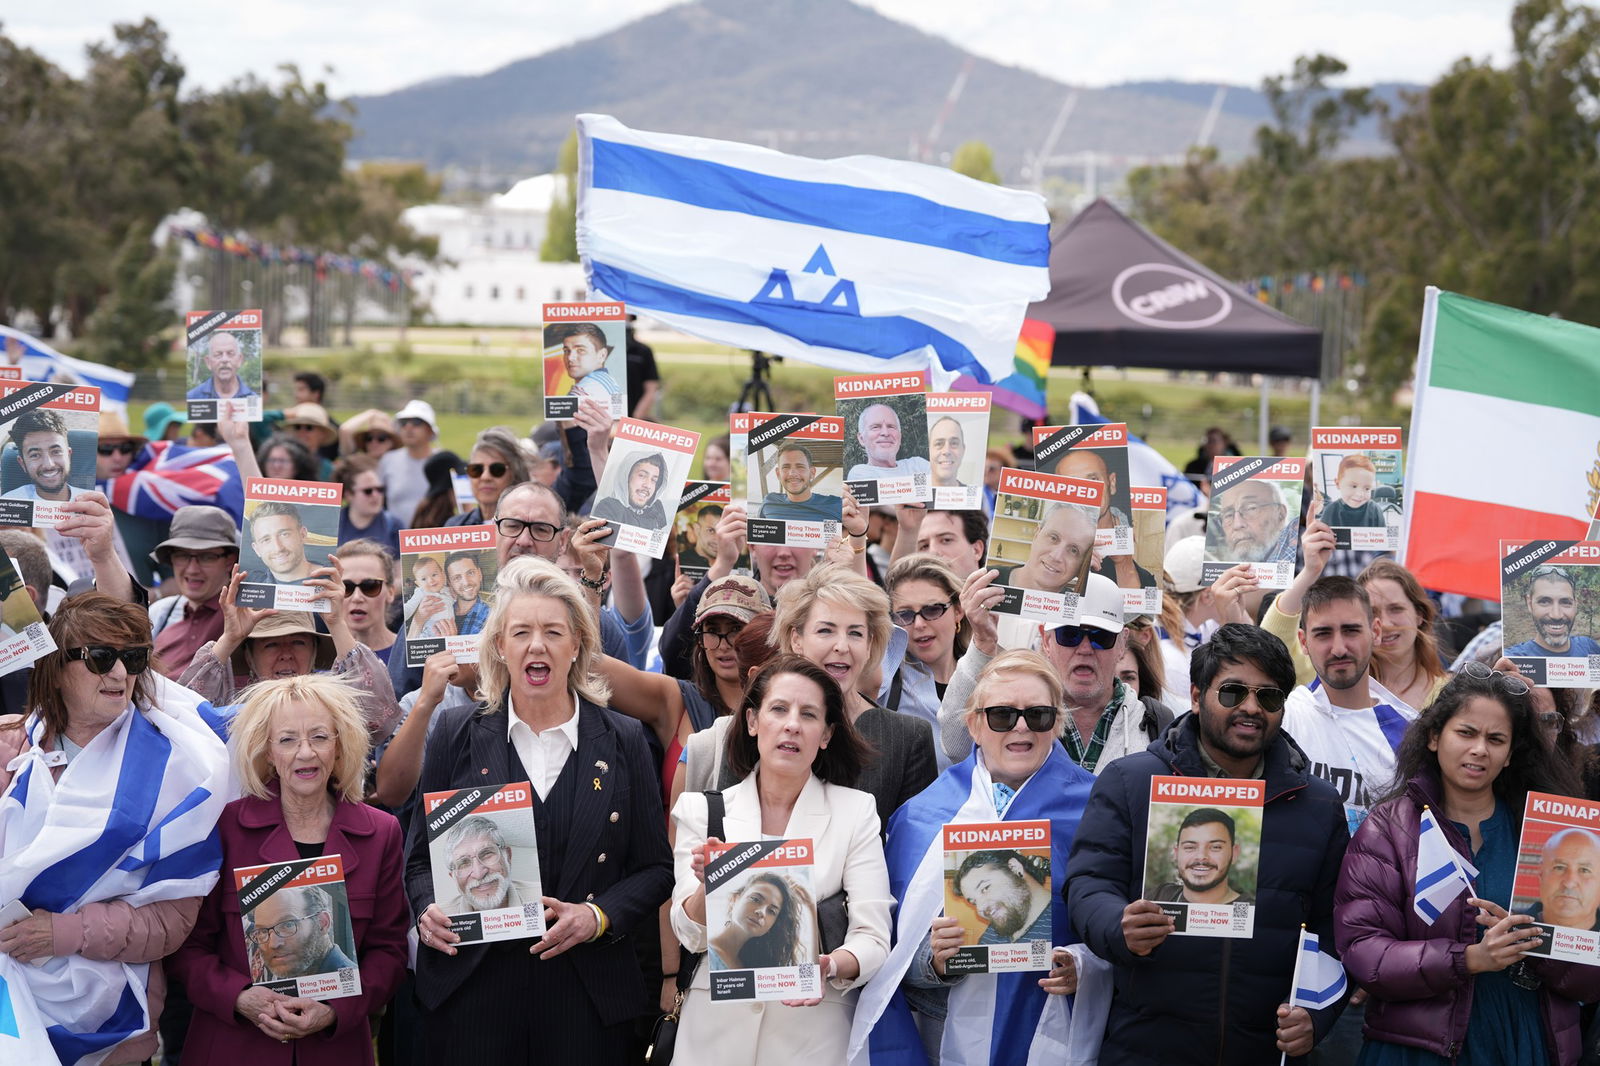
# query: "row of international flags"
266,252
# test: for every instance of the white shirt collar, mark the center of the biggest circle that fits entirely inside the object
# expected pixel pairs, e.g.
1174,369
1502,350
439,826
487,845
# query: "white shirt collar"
568,729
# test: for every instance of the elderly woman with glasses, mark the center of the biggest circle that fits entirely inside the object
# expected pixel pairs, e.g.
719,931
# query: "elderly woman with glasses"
1017,771
496,462
112,787
299,748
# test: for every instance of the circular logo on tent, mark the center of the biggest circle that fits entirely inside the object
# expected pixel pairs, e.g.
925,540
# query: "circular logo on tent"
1169,297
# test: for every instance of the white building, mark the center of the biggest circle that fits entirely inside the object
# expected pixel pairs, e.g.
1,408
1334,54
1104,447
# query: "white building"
494,276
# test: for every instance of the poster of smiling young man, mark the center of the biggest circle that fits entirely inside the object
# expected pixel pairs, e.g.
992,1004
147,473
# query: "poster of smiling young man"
290,529
1202,853
447,577
484,857
997,885
1093,453
795,463
761,921
1549,599
641,484
224,365
585,354
695,527
48,437
958,437
885,436
1042,543
297,932
1254,517
1359,479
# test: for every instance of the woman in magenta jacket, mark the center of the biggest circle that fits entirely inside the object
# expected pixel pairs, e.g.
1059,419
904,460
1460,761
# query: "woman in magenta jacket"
1461,989
299,747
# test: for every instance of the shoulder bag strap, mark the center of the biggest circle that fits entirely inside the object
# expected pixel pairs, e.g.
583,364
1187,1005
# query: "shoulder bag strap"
714,828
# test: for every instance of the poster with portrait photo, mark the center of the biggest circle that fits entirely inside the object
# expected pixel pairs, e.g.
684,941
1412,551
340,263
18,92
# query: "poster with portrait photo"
1138,575
224,365
642,483
585,354
796,479
1358,481
1042,543
1550,610
1557,879
24,638
997,885
1254,517
695,527
761,921
296,924
49,434
958,437
484,857
1203,852
1094,453
290,530
447,581
885,436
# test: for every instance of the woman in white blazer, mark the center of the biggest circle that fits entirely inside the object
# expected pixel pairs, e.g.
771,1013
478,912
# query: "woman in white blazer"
797,753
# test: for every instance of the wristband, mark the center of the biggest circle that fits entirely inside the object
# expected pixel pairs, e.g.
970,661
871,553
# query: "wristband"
600,921
583,579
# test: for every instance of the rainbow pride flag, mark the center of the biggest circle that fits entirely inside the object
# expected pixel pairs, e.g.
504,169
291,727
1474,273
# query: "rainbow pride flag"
1025,390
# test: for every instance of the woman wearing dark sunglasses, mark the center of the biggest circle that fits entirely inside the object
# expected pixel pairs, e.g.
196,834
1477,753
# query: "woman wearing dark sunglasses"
923,600
1461,988
1017,771
366,511
495,463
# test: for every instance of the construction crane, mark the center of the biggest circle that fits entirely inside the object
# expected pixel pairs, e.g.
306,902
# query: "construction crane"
925,154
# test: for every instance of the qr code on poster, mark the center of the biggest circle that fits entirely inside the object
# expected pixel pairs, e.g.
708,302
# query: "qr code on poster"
806,972
920,483
1038,954
530,912
1594,664
347,979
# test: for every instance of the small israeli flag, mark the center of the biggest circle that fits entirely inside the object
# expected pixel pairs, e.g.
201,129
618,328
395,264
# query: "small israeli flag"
1441,872
861,264
1319,978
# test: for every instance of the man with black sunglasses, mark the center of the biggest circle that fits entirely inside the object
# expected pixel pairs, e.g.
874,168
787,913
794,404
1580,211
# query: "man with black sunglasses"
1194,999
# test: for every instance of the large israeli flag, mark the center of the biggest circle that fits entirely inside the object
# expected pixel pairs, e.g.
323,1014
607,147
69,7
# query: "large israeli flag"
40,362
862,264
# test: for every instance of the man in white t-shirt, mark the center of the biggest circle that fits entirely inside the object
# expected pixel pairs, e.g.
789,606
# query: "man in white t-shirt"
878,431
1349,725
404,483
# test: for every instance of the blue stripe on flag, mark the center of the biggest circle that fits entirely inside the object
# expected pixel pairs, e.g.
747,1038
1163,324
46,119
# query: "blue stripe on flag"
8,1013
870,212
1428,909
144,763
878,337
152,841
128,1020
188,864
1393,725
1429,880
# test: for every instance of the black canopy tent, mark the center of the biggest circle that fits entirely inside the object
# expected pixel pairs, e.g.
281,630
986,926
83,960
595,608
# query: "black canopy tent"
1121,296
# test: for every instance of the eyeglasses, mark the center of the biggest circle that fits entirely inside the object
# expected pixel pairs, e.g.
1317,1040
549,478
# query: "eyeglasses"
1551,720
379,438
319,742
1244,512
718,637
495,469
1072,636
1551,571
371,490
1139,623
488,857
369,587
127,447
1040,719
284,930
100,658
906,616
511,529
181,559
1232,693
1512,683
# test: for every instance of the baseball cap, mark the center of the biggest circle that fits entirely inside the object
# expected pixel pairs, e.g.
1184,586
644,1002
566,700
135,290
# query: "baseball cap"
1101,604
1182,564
197,527
419,409
741,598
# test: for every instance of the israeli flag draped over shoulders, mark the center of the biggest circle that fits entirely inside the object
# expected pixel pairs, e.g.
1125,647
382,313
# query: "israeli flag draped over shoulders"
1441,871
861,264
133,817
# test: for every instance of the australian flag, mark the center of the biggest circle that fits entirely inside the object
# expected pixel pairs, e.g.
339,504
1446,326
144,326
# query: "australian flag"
166,476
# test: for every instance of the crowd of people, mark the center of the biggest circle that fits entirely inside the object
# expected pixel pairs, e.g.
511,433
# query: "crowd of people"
861,696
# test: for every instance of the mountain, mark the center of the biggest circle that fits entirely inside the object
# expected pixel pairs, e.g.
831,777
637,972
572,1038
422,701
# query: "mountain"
815,77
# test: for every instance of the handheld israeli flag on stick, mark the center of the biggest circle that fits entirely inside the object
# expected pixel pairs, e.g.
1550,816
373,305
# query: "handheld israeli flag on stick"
1319,978
861,264
1441,871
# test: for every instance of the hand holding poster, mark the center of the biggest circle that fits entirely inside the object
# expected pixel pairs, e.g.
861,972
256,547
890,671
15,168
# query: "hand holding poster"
1138,575
297,934
761,921
885,436
695,528
1042,543
1093,453
641,483
585,354
23,635
1359,481
796,469
1550,595
1558,876
958,433
290,530
997,884
1202,852
224,365
1254,518
447,577
485,861
50,433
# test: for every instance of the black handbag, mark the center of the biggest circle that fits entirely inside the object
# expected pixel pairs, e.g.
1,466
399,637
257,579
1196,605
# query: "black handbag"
664,1037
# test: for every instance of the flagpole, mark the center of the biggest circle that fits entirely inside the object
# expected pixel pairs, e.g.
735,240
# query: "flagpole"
1294,982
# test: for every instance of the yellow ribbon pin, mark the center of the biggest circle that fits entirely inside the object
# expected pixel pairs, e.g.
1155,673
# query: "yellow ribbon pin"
597,784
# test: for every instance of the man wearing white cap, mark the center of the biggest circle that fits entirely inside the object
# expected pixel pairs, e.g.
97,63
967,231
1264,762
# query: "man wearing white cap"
1106,719
404,483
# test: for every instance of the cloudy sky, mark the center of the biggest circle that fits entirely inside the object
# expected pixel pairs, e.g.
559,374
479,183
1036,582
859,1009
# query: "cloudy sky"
377,47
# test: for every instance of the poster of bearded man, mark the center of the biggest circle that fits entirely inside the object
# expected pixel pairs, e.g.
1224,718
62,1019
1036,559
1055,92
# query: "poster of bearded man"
485,861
